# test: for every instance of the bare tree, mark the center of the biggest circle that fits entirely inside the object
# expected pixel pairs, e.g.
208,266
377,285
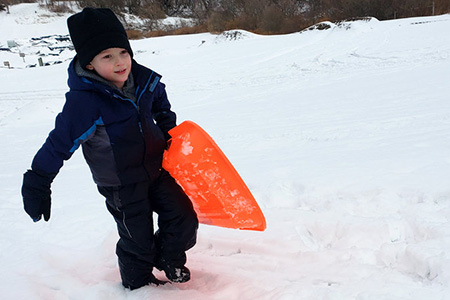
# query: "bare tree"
4,5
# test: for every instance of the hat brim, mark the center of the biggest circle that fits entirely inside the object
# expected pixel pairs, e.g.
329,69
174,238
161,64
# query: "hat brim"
99,43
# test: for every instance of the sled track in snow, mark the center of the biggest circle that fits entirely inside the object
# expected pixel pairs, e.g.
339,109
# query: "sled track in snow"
12,102
31,95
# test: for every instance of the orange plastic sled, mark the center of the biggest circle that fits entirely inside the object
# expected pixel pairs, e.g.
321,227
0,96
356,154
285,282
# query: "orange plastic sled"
219,195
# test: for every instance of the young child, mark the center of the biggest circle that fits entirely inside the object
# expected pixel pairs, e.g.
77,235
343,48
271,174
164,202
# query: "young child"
118,111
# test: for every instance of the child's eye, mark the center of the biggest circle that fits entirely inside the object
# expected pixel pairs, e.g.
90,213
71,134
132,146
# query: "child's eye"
107,56
124,52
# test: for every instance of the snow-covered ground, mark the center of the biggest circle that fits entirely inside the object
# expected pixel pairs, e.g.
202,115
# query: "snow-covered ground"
342,135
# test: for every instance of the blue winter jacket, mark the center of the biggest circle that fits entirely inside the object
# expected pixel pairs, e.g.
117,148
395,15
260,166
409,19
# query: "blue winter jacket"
123,141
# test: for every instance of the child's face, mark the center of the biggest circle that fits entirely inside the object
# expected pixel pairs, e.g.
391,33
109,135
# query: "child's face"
113,64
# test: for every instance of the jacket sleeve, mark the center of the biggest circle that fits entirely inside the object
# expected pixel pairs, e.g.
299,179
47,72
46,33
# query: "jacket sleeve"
73,126
161,109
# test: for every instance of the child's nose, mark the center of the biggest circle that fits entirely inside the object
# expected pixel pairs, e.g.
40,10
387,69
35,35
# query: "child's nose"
120,61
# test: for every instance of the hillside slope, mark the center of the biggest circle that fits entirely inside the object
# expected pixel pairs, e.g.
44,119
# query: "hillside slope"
342,135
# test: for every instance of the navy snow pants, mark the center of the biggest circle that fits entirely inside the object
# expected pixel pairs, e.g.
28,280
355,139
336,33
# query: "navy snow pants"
132,207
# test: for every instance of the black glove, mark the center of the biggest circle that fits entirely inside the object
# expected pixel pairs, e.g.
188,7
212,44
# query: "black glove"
36,194
168,143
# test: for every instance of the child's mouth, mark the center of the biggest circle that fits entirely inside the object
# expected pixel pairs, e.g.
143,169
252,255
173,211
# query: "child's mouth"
121,72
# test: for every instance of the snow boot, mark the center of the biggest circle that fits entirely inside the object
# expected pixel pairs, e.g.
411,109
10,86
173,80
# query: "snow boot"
178,274
152,281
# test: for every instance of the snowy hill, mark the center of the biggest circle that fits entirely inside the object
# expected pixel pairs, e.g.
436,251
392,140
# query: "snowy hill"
342,135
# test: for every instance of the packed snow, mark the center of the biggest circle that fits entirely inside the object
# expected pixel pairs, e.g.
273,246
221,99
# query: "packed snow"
342,135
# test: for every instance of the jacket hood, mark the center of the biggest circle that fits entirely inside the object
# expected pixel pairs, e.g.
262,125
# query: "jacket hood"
76,82
83,80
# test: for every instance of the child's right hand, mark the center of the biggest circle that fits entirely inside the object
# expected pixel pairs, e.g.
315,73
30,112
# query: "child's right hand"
36,195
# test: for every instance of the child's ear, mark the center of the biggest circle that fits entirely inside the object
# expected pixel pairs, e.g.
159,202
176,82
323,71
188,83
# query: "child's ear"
90,67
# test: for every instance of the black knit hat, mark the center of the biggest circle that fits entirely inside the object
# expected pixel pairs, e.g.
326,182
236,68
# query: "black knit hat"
94,30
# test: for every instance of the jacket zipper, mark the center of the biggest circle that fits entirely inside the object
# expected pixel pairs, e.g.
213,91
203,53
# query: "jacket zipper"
136,105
